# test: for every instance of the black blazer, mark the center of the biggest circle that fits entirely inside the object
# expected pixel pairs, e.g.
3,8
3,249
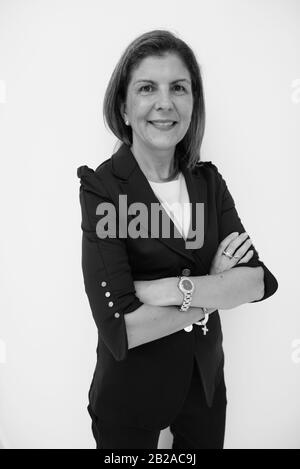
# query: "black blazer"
145,386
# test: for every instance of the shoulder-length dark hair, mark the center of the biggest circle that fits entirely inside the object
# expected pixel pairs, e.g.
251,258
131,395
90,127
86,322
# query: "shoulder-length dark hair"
156,43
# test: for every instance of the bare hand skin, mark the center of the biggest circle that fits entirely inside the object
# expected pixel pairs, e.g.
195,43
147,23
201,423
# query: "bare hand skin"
149,291
231,243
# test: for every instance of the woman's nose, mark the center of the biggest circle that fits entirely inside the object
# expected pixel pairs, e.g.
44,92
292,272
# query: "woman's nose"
164,100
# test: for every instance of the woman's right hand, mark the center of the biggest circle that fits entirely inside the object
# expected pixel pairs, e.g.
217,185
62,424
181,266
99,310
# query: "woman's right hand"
231,244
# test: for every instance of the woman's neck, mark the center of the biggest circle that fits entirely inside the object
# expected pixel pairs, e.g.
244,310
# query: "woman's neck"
156,167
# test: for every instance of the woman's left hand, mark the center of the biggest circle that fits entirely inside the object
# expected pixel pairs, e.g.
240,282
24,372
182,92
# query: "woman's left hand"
150,291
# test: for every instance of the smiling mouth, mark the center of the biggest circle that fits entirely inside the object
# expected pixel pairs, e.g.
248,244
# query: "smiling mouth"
163,125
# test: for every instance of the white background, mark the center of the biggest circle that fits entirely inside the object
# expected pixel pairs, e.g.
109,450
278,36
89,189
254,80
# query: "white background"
56,59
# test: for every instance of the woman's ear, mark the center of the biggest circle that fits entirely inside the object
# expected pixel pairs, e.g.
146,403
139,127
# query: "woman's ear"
123,111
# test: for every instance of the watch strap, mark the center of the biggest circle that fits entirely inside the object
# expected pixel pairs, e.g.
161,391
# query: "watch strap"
187,299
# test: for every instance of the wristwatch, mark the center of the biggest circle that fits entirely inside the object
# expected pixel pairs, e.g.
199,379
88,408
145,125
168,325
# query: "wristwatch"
187,287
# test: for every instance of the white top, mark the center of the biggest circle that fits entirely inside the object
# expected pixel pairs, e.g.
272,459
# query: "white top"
174,197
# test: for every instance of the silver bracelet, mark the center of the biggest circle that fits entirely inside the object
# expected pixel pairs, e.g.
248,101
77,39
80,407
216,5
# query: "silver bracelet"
203,321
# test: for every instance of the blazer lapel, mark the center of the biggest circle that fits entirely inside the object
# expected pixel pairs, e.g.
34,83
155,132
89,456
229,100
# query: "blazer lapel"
137,188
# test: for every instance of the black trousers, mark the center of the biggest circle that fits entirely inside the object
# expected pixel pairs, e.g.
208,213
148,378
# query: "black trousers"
196,425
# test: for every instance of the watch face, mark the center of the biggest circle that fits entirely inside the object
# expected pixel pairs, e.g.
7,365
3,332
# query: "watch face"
187,285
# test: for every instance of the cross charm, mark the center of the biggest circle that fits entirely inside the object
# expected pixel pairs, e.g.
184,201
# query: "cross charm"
199,323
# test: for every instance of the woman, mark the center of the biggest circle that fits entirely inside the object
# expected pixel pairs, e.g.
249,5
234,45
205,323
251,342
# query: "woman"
154,293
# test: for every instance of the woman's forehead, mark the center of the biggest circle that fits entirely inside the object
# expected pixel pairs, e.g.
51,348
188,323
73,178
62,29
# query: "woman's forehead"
168,66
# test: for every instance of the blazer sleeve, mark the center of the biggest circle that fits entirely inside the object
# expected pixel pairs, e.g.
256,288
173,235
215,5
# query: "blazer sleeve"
229,221
106,271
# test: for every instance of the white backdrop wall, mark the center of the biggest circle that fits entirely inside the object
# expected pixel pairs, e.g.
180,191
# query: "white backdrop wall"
56,58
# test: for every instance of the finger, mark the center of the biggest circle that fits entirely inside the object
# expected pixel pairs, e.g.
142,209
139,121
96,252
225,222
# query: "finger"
244,248
247,257
226,241
235,243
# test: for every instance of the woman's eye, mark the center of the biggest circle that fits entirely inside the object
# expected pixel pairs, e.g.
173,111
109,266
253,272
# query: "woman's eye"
182,88
148,88
145,88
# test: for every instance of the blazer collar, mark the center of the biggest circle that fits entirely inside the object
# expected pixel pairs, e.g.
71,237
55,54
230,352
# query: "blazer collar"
137,188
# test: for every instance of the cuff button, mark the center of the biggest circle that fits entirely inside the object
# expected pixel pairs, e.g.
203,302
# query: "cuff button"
186,272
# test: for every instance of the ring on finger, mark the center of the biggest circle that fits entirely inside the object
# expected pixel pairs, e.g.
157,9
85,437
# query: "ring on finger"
227,254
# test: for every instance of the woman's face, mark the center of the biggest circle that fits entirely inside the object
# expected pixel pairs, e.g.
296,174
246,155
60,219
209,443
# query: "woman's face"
159,89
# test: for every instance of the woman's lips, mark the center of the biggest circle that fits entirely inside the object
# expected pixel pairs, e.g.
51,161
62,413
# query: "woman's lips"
163,125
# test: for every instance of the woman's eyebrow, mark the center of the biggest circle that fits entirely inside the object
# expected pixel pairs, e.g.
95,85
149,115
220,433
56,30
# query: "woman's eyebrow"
153,82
